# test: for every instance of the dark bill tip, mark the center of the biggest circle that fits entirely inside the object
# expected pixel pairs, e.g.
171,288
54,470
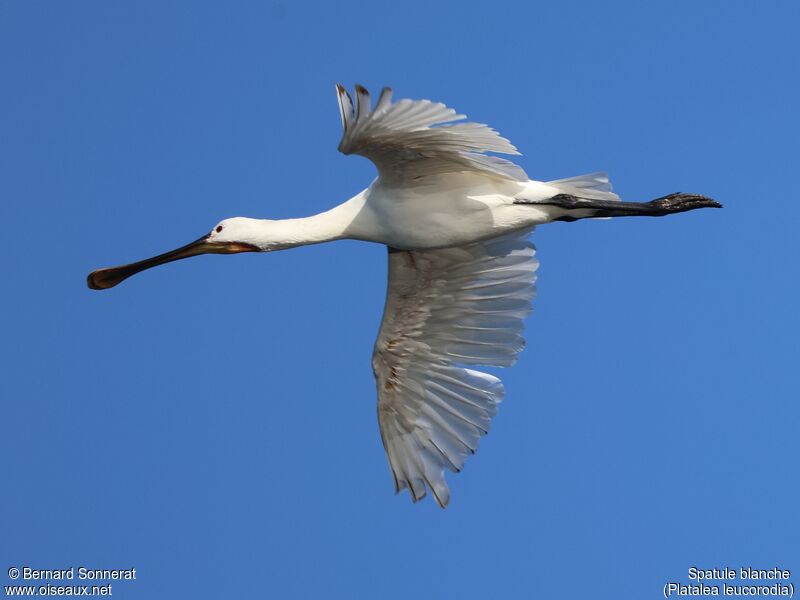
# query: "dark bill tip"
102,279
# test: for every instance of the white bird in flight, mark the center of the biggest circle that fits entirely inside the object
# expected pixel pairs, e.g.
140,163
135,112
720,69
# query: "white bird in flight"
456,223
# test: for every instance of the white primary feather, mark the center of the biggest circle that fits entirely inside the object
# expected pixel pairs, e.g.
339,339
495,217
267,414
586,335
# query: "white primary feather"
410,139
445,309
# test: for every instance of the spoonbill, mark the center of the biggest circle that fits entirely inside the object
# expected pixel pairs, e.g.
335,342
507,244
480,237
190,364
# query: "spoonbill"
456,222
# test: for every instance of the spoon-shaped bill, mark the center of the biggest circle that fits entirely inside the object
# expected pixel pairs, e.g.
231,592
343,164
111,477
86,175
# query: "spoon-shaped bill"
103,279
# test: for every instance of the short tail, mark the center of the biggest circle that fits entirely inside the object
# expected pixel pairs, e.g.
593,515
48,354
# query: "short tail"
594,186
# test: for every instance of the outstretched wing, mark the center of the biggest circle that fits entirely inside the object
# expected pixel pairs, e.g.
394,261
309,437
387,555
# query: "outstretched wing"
410,139
446,309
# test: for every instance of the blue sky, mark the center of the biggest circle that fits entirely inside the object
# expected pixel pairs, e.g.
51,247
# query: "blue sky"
212,422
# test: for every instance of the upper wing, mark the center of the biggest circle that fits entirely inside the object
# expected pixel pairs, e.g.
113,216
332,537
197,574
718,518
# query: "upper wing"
445,308
409,139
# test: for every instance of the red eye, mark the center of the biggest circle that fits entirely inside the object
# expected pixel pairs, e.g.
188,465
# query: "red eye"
219,228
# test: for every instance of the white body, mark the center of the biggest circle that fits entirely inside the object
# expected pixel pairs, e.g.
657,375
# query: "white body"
451,209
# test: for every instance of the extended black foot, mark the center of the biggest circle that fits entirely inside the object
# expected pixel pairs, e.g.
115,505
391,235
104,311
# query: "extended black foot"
678,202
666,205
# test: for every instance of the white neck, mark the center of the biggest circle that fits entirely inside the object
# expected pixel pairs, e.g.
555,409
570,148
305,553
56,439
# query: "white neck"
327,226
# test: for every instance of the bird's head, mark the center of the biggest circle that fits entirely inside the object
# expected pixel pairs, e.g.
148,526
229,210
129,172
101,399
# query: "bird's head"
230,236
242,231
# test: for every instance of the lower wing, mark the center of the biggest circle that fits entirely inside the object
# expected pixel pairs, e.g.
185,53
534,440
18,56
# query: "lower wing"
446,310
